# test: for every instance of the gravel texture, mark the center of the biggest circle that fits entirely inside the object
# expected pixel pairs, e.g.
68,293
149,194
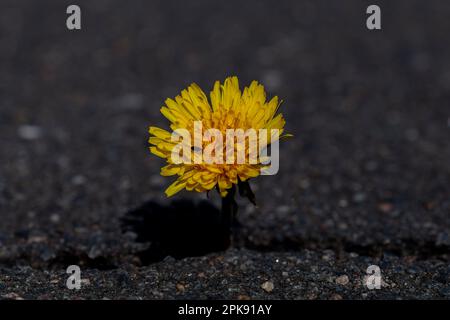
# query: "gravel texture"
365,181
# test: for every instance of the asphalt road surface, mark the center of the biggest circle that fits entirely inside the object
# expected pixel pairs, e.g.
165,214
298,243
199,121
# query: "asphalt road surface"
365,181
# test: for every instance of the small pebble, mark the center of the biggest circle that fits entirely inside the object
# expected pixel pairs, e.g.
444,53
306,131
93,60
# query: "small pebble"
180,287
85,282
267,286
29,132
283,209
272,79
12,296
336,297
79,180
385,207
342,280
55,218
37,239
343,203
359,197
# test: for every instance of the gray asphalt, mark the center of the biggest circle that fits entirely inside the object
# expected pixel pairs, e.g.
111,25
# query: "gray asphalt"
365,180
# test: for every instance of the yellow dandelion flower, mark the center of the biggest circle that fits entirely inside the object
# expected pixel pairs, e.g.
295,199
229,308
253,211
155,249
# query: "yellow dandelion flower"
228,108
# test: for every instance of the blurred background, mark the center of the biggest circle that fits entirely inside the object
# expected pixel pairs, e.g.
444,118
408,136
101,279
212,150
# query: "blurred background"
368,168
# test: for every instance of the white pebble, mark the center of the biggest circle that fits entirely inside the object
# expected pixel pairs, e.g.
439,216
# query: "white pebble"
29,132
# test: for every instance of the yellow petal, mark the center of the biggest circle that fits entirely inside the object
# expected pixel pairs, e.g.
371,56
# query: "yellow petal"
175,187
159,133
170,170
158,152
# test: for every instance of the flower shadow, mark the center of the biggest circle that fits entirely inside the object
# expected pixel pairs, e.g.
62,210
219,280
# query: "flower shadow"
182,228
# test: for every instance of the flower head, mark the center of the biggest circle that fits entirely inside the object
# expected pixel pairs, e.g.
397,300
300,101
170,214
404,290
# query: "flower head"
210,162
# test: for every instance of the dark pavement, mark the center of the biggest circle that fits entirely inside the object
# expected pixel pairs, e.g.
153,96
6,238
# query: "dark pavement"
365,181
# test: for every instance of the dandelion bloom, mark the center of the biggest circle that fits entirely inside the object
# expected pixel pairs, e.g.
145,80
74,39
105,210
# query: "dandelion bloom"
228,108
